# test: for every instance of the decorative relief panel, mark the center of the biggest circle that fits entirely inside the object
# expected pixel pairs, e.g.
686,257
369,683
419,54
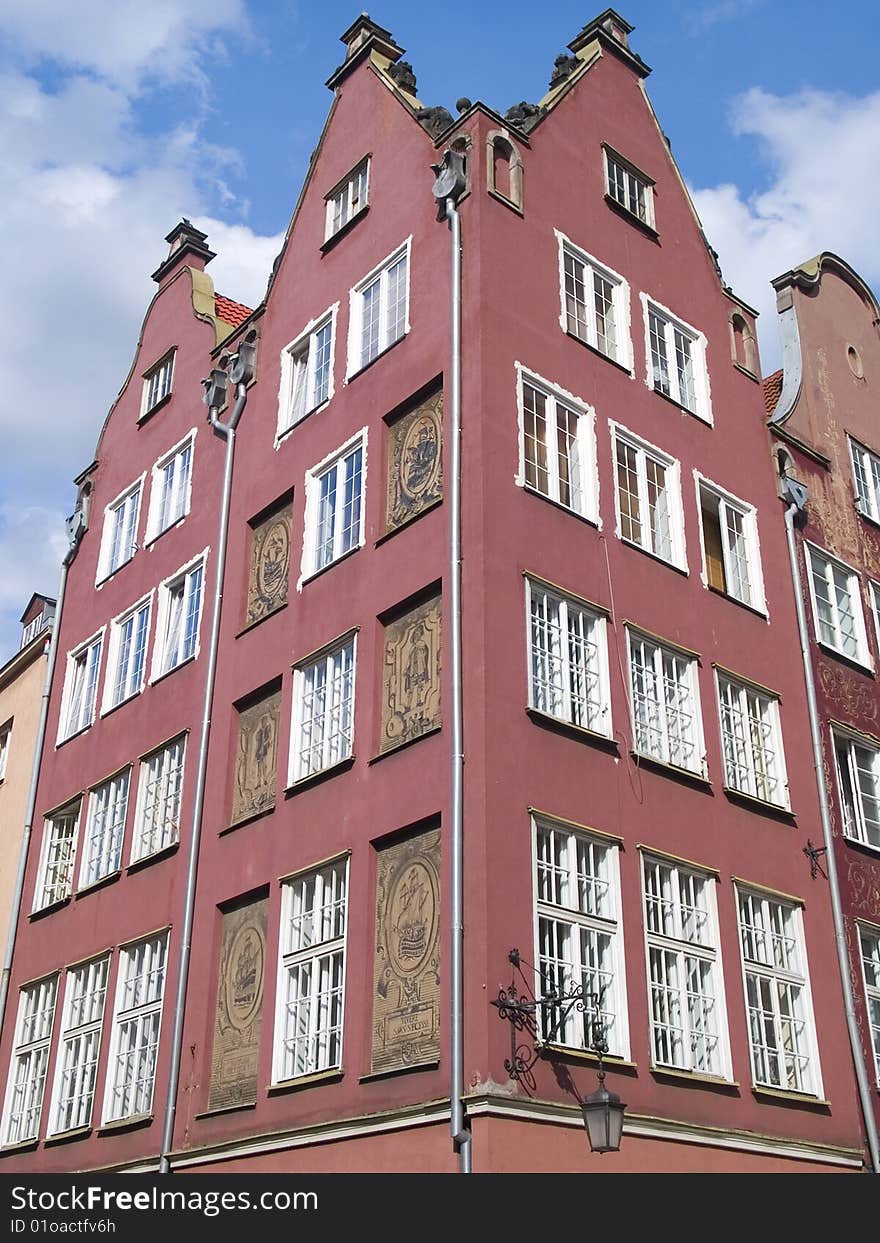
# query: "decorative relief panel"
256,758
846,690
406,994
414,474
411,676
270,564
864,890
239,1016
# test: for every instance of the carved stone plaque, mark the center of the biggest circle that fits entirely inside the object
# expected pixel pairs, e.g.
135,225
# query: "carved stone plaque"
256,758
414,477
239,1014
411,675
270,564
406,993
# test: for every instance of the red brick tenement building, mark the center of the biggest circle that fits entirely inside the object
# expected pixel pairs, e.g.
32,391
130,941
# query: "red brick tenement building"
638,784
822,411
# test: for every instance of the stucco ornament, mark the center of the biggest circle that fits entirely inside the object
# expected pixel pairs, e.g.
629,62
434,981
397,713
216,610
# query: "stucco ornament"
406,996
256,758
270,565
411,676
414,467
239,1015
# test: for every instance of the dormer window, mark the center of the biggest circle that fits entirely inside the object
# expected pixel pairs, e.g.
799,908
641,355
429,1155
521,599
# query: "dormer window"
630,188
157,383
348,199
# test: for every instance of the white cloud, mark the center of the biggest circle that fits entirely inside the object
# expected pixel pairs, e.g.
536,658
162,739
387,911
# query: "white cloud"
820,150
125,41
89,193
721,11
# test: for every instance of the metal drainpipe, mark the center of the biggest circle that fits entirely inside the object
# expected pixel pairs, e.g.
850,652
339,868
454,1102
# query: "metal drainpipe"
226,430
35,774
865,1098
461,1135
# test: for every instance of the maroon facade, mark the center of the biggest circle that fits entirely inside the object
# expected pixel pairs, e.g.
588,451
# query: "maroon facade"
822,411
535,179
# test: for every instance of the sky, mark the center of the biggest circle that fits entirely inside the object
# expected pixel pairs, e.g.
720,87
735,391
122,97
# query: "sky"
118,117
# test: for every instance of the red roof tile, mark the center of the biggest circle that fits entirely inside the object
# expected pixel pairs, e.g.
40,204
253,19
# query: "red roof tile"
772,388
234,313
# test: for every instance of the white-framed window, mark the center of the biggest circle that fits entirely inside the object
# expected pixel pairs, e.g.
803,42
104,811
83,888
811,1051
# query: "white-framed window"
5,737
127,655
568,659
347,198
101,849
664,687
858,775
595,302
780,1014
630,188
157,382
57,857
179,615
160,792
171,487
751,741
579,934
557,450
137,1019
307,371
648,497
379,309
731,554
80,687
676,355
35,625
335,516
311,973
866,473
76,1066
30,1061
869,943
323,711
837,605
685,982
119,534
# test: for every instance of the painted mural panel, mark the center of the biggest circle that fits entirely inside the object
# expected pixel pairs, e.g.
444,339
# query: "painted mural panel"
414,472
256,758
239,1016
269,565
411,675
406,994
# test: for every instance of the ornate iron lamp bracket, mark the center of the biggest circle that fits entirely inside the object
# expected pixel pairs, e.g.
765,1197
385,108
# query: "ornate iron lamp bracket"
521,1012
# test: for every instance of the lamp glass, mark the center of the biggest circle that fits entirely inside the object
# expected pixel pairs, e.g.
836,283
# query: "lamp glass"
603,1118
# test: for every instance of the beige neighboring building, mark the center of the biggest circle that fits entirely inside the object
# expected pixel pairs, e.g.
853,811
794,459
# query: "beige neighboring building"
21,687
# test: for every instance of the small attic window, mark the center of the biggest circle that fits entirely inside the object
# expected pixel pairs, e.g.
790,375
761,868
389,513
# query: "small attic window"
347,199
504,169
157,383
628,187
742,340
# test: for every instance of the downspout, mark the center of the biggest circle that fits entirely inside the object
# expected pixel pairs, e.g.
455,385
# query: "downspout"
796,493
450,184
76,529
215,388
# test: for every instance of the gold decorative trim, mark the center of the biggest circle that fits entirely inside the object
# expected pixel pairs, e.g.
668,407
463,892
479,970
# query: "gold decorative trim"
773,893
574,824
566,591
664,854
658,638
741,677
313,867
323,650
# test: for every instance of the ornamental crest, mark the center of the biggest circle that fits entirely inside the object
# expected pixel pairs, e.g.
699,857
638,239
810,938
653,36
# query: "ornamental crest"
239,1016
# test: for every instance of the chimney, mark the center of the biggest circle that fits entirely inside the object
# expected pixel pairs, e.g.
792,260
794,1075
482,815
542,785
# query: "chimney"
613,32
364,34
185,241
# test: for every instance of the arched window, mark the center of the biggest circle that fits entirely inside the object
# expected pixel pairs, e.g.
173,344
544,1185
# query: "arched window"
504,169
743,349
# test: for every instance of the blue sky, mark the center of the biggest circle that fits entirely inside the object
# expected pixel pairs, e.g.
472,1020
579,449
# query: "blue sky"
117,117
